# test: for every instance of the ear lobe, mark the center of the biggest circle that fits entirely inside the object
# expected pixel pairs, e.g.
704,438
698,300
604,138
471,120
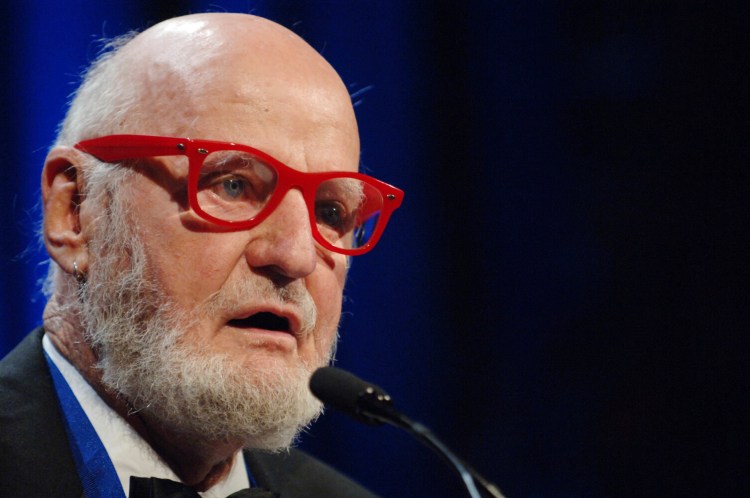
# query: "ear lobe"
64,232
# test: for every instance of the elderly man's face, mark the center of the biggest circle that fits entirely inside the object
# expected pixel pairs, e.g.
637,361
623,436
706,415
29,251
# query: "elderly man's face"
304,121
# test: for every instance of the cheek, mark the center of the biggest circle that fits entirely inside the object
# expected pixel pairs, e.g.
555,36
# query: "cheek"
192,273
191,266
327,289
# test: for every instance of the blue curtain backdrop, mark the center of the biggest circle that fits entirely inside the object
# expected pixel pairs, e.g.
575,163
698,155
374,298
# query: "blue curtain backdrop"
563,294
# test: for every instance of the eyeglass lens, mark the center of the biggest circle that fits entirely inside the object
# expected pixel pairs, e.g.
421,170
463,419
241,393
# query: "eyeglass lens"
237,186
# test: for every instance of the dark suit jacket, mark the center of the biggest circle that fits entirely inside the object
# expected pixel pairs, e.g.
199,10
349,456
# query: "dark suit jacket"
35,458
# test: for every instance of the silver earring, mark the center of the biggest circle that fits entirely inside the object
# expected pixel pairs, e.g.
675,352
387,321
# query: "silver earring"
80,277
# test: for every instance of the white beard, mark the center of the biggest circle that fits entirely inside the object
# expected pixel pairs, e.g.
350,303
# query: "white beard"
139,336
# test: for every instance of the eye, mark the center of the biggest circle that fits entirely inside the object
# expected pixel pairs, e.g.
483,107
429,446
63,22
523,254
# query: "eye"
234,187
236,176
330,214
229,187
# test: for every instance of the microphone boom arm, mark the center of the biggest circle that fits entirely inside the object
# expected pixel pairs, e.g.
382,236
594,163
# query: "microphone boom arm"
370,404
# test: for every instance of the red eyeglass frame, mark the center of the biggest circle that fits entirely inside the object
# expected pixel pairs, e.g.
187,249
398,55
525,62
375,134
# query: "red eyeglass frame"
113,148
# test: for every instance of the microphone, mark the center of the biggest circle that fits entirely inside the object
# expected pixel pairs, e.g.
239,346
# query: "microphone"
371,405
349,394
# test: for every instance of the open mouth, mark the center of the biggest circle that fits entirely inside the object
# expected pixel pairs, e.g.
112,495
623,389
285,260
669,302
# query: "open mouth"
263,320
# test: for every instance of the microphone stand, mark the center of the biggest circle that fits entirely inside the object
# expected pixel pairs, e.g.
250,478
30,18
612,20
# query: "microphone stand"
376,407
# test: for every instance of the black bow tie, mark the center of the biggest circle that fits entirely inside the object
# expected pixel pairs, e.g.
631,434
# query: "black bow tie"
152,487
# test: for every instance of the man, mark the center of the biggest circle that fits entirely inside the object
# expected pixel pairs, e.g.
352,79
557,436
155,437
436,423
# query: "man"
197,282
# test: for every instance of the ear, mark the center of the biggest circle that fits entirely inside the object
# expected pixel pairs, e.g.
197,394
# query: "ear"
64,230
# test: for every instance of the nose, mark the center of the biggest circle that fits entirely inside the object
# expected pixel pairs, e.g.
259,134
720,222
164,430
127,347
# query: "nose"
283,243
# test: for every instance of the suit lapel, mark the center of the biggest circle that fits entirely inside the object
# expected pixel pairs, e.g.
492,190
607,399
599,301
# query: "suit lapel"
32,439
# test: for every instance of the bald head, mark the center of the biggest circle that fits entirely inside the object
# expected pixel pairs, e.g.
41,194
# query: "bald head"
178,77
227,77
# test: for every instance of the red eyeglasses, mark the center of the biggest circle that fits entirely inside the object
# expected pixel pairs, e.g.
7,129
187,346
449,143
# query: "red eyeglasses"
237,186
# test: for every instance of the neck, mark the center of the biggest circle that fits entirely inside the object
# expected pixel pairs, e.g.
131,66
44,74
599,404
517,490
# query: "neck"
198,463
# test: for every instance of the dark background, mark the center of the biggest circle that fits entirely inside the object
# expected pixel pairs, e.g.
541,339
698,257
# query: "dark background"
563,296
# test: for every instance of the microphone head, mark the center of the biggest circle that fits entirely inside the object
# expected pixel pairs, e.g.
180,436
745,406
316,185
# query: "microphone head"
348,393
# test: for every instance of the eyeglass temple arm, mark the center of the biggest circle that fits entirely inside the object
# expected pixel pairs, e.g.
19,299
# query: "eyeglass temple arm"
120,147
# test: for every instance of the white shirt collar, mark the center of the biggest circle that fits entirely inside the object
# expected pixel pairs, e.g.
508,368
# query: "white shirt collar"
131,455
